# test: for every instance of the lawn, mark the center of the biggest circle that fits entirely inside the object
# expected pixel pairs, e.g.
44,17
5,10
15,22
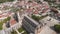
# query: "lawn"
4,21
37,18
20,30
1,23
14,32
43,17
2,1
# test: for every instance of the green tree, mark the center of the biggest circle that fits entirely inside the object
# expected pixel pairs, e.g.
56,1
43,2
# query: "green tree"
4,21
7,19
37,18
57,28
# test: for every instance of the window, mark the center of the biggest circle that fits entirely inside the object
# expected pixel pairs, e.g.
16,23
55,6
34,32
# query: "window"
30,22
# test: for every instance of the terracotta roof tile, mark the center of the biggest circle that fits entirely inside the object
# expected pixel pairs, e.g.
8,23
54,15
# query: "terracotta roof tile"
12,21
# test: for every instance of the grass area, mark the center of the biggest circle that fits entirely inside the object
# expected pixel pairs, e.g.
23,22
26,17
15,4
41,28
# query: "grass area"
1,23
43,17
2,1
4,21
14,32
37,18
20,30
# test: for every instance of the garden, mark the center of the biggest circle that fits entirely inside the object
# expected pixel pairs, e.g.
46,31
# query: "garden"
37,18
4,21
20,30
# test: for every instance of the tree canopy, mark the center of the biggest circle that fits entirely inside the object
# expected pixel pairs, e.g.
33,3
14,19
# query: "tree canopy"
2,1
37,18
57,28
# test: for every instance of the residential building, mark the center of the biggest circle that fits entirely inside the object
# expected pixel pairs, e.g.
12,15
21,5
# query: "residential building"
31,25
54,13
58,1
37,28
39,0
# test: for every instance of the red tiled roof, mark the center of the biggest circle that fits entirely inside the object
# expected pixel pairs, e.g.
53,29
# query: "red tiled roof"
12,21
0,16
5,15
34,5
36,12
39,8
29,10
44,10
46,6
21,3
28,3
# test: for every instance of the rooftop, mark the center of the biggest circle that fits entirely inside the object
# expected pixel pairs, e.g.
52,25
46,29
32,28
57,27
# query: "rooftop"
12,22
31,20
34,6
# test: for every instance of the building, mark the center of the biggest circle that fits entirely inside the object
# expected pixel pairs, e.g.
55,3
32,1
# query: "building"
36,28
58,1
54,1
55,13
49,21
39,0
31,25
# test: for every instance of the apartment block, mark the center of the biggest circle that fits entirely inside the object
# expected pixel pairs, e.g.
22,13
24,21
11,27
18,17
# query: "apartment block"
31,25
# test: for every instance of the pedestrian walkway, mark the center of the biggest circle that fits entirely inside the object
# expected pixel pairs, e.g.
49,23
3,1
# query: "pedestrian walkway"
4,27
19,32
